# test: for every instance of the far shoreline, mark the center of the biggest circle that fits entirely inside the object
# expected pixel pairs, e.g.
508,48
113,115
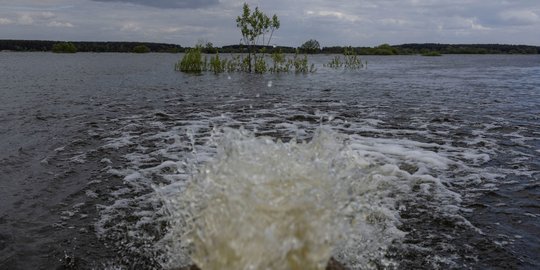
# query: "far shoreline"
383,49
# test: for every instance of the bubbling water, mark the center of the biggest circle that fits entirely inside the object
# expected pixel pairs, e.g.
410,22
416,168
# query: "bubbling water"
265,204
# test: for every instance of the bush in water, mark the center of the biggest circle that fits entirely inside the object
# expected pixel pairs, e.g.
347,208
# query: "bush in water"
191,62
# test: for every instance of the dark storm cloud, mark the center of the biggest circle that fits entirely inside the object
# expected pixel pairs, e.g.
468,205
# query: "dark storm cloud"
168,3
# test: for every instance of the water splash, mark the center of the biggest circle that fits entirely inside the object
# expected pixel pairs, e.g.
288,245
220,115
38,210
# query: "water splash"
262,204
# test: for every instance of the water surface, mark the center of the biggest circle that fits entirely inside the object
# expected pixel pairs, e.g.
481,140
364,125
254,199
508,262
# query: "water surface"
87,138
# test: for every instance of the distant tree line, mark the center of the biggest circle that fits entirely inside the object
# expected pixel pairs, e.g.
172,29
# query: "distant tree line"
417,48
64,47
383,49
468,48
313,47
92,46
243,48
310,46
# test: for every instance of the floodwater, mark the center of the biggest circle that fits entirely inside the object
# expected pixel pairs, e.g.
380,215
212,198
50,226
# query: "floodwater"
116,161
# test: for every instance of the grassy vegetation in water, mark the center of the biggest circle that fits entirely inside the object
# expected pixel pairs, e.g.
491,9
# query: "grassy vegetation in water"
194,62
191,62
350,61
301,64
280,63
217,65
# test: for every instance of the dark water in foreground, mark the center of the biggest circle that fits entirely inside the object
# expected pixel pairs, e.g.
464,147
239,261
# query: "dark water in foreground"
453,144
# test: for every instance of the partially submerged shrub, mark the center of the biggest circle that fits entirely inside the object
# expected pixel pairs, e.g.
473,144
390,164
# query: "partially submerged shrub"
253,26
279,62
350,60
260,64
431,53
64,47
335,62
192,61
216,64
311,46
300,64
141,49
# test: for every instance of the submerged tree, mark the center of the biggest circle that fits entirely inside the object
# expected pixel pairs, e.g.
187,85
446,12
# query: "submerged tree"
256,26
209,47
141,49
257,30
64,47
192,61
311,46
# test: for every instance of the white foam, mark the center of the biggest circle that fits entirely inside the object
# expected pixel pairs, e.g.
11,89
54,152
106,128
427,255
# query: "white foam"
390,167
80,158
116,143
91,194
362,171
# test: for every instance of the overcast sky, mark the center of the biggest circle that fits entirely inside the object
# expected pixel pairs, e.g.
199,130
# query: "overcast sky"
331,22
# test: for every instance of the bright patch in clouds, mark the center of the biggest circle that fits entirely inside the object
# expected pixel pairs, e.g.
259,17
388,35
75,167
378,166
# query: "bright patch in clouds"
130,26
334,14
25,19
5,21
60,24
33,18
394,22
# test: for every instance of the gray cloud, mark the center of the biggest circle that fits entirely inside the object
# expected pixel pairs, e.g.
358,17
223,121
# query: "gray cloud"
168,3
338,22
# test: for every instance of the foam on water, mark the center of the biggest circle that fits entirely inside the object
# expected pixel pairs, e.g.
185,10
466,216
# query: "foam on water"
265,204
200,190
427,157
261,204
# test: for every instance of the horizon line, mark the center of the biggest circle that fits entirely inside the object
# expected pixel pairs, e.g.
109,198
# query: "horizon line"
154,42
